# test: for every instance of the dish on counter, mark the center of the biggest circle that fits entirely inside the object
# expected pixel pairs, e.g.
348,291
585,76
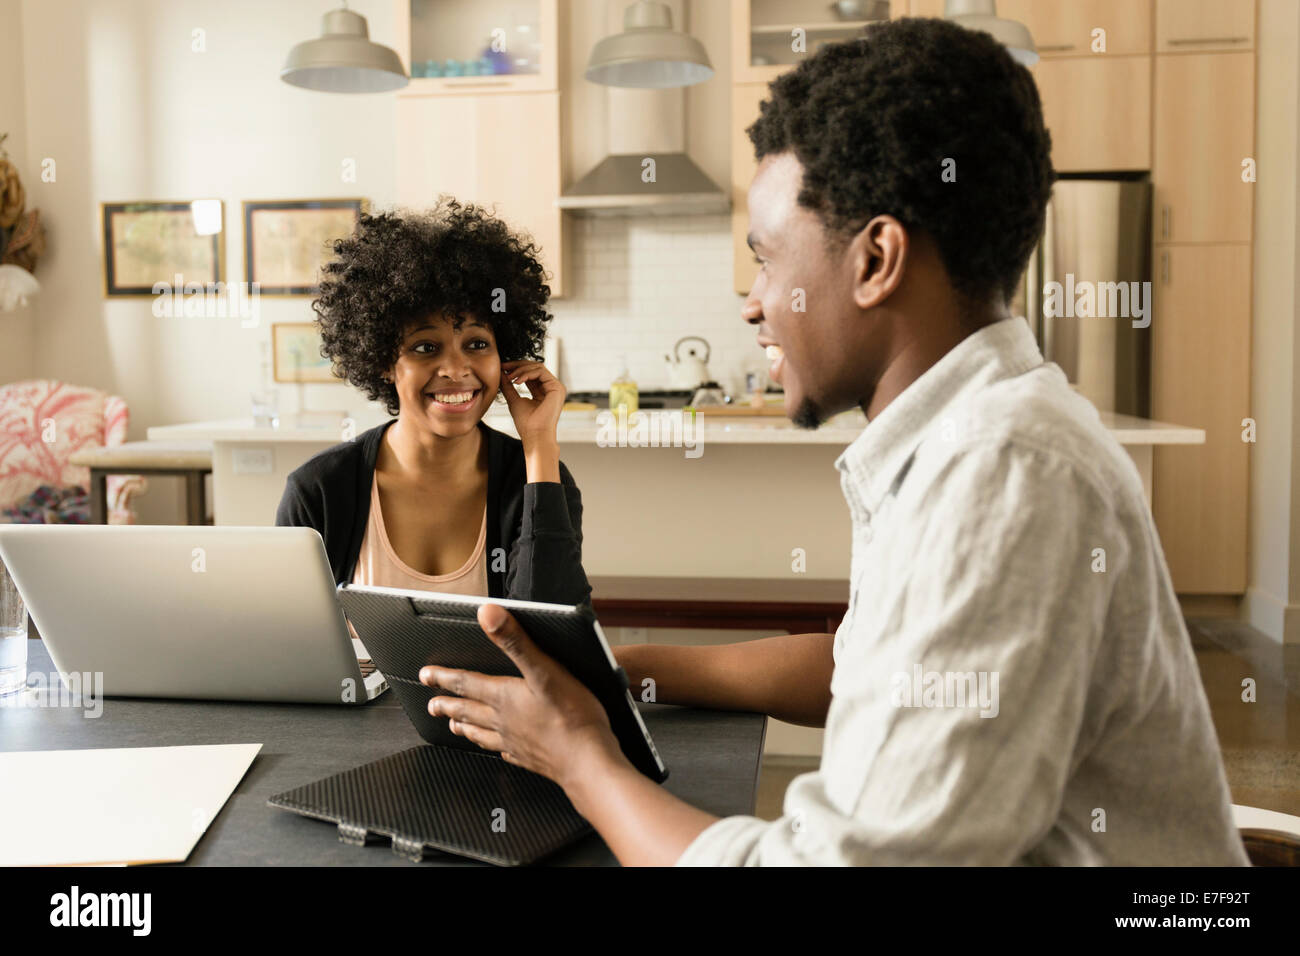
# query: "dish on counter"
578,410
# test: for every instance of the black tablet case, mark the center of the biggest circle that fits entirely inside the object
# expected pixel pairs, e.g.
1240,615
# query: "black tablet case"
453,796
471,804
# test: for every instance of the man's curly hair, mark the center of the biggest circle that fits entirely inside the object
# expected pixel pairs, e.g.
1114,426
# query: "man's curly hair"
457,260
873,121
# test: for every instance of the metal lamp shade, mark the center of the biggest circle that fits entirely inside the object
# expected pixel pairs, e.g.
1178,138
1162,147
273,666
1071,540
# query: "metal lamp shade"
343,60
982,15
649,53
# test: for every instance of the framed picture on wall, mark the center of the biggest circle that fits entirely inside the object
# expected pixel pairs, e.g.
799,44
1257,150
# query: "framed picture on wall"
287,240
147,242
295,350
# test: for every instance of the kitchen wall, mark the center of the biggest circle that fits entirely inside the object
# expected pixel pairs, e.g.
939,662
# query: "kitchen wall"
17,328
116,94
1273,597
641,284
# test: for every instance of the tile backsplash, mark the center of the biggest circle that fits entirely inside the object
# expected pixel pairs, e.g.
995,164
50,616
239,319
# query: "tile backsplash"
641,283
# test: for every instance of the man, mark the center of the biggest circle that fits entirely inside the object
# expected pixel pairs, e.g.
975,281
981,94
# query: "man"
1013,682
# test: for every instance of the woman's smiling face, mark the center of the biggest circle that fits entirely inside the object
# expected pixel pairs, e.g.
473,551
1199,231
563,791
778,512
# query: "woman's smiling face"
447,374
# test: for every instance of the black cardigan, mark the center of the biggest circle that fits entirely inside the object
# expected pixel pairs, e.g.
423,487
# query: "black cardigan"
537,526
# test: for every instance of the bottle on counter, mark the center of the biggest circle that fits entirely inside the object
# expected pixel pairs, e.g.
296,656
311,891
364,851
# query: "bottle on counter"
623,393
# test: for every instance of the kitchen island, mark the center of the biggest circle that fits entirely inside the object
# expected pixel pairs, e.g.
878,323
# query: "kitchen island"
755,497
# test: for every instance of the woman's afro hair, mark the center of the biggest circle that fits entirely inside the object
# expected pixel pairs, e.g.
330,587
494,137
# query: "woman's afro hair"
456,261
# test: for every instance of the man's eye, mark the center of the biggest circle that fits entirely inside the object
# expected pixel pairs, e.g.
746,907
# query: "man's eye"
480,344
422,348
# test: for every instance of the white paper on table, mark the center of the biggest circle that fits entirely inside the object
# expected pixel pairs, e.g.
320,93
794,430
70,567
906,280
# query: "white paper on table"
127,805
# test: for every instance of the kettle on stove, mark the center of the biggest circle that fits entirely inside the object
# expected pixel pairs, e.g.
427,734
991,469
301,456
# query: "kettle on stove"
688,371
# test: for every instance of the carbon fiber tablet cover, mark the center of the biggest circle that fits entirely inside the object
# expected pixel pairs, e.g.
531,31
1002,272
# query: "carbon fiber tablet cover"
403,631
469,804
452,796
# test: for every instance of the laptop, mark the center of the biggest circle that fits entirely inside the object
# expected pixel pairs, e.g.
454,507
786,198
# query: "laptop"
191,611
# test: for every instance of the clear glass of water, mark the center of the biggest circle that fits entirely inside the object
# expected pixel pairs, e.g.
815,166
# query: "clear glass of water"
13,636
266,409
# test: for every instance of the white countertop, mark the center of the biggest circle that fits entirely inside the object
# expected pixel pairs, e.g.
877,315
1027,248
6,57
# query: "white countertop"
243,430
582,428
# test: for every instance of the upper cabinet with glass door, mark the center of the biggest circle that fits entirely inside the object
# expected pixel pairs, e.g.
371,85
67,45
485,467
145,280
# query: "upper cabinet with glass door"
772,36
478,46
1068,28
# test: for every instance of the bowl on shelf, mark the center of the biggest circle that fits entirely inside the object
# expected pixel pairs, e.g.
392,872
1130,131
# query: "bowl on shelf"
861,9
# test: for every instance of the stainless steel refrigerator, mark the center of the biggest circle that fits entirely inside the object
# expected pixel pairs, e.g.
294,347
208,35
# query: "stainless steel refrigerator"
1097,243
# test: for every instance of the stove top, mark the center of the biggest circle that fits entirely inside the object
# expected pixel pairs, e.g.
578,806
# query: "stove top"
649,398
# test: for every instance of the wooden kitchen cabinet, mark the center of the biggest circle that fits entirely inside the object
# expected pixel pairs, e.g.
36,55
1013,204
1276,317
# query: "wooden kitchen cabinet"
1197,26
1098,110
500,150
1064,27
924,8
761,34
1200,377
445,46
1204,128
1203,219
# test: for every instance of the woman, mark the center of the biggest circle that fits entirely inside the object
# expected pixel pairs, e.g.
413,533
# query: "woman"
434,314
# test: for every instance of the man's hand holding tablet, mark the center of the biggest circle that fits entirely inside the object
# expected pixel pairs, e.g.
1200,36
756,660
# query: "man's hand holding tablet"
546,721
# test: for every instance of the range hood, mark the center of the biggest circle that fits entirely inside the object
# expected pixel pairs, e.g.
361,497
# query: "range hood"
645,170
616,187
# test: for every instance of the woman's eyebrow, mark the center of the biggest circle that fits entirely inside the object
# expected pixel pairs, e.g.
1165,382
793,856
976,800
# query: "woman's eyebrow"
466,324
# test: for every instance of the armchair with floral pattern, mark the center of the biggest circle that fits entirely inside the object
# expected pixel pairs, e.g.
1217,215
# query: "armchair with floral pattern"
42,423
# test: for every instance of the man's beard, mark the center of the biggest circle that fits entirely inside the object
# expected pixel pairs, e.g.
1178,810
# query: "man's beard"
808,415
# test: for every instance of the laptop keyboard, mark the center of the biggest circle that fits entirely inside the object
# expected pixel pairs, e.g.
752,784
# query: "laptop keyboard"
367,667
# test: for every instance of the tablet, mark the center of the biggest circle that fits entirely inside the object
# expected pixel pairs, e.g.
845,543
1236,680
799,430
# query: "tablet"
404,630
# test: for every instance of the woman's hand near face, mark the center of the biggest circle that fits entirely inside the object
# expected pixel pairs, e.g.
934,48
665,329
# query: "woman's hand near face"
536,415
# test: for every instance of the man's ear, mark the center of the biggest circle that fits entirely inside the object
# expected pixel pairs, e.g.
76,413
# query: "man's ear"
878,256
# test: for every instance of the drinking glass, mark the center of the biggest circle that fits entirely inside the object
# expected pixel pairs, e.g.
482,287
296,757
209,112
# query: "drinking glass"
13,636
266,409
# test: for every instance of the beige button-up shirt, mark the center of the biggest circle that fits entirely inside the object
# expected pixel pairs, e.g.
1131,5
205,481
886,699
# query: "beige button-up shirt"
1013,680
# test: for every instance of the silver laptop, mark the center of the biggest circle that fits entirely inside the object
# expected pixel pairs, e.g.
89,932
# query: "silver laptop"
217,613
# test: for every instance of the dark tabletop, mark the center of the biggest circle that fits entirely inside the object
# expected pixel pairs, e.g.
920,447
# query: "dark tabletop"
713,758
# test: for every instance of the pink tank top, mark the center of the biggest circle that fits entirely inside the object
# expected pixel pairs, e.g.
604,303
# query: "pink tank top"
379,565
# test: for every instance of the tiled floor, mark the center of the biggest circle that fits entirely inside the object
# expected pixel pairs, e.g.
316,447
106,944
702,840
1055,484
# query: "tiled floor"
1260,740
